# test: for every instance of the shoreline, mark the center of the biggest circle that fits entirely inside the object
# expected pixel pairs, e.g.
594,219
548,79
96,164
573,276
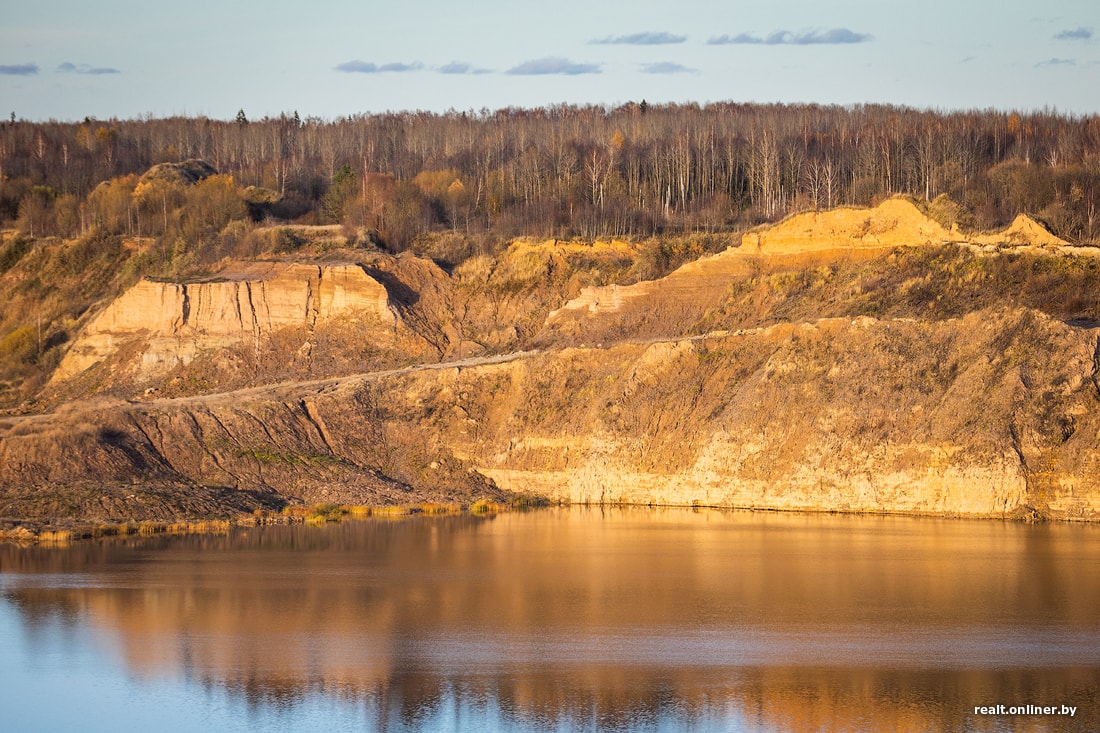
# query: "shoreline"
49,532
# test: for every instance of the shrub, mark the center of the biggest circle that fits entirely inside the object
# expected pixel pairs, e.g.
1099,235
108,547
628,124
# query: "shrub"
13,251
19,347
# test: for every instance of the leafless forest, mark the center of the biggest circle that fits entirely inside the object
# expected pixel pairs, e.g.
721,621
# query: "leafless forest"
86,209
636,170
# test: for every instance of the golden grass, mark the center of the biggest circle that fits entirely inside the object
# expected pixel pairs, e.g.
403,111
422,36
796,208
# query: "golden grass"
389,511
320,513
55,537
148,529
432,508
208,526
317,514
484,506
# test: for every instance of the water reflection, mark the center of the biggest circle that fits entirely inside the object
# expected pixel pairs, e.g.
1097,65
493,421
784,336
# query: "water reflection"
590,619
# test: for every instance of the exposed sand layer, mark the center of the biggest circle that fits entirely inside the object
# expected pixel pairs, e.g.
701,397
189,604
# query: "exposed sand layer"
169,323
801,240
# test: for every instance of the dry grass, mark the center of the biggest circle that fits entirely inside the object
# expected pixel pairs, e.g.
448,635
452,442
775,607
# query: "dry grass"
322,513
59,537
63,537
433,508
318,514
485,506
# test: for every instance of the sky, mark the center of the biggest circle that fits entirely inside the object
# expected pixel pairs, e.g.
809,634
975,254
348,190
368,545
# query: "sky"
71,59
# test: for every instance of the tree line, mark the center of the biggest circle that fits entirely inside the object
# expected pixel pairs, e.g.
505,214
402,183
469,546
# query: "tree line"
635,170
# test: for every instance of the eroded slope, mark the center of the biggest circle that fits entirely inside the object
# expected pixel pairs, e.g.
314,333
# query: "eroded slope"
937,377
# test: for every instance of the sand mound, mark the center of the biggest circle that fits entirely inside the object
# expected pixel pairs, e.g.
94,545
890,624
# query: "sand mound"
799,241
894,222
1023,231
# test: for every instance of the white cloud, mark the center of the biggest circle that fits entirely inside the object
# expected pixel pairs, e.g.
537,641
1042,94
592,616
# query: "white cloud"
1074,34
553,65
71,68
19,69
667,67
369,67
651,38
833,36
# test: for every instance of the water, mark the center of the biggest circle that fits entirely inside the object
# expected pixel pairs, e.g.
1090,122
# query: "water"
572,619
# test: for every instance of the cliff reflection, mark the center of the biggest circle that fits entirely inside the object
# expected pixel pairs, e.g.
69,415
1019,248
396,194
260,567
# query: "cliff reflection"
605,619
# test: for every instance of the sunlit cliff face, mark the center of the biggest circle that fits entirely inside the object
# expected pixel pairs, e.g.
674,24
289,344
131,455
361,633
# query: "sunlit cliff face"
803,622
969,416
856,360
168,324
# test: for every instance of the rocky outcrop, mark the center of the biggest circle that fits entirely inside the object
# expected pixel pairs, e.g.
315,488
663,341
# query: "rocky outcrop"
156,326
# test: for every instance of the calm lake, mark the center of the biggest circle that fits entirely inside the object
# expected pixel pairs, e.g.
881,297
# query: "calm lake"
560,619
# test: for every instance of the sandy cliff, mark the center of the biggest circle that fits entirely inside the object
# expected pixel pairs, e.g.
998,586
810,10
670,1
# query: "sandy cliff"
996,414
992,415
155,326
954,379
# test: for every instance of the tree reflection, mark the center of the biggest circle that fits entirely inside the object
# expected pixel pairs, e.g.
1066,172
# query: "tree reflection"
619,620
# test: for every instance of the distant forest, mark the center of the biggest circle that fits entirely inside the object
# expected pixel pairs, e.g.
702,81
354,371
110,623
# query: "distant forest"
632,171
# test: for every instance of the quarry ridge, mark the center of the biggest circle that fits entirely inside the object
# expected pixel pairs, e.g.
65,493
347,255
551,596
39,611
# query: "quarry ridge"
856,360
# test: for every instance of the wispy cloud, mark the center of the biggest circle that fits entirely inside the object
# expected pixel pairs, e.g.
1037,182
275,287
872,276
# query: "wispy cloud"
461,67
833,36
71,68
369,67
726,40
19,69
1057,62
667,67
641,39
1074,34
553,65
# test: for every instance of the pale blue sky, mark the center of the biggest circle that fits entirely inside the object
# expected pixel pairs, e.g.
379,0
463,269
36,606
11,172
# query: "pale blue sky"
127,58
